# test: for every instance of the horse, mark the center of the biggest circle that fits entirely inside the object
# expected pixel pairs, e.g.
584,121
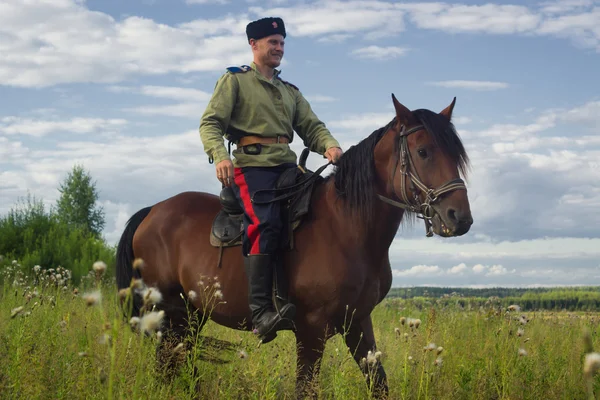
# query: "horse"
339,264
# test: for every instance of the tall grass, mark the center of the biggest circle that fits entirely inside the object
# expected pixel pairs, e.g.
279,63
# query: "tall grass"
71,342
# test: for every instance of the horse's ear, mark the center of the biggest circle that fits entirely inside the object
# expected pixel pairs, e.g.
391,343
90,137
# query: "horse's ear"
403,114
447,112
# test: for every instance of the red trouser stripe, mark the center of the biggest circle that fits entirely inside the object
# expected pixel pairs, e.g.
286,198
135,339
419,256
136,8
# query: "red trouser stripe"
253,232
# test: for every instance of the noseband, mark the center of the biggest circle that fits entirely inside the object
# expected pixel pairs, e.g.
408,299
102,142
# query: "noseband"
423,209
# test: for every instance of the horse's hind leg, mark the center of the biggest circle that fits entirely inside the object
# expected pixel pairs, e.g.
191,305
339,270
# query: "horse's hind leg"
360,340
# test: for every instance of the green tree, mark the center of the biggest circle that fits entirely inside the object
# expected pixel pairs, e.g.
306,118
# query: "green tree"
77,203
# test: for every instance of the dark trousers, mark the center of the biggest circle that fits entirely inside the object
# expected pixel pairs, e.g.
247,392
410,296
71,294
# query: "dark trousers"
263,226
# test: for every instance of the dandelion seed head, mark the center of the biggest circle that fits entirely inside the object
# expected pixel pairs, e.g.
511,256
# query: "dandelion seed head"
151,321
397,331
192,295
138,264
514,307
438,362
151,296
520,332
591,364
99,267
522,352
218,294
134,322
16,311
92,298
123,293
242,354
439,350
178,348
402,320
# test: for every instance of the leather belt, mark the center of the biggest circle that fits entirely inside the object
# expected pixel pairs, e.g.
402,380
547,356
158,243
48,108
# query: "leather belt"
248,140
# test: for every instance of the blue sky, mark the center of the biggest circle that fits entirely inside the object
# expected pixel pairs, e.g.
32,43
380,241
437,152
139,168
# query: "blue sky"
120,86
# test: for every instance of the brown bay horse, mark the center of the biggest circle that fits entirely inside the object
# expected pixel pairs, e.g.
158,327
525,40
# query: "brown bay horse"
339,266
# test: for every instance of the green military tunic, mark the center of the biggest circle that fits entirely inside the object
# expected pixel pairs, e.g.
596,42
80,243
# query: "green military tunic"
244,102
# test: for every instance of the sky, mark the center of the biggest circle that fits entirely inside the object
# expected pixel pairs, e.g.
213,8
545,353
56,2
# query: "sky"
119,87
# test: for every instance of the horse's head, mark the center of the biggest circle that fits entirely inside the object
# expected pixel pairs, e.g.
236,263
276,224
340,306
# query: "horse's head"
424,172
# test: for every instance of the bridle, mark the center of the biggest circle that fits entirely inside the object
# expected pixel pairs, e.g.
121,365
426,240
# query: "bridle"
417,187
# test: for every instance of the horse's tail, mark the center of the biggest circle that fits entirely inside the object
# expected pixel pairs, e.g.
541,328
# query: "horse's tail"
125,257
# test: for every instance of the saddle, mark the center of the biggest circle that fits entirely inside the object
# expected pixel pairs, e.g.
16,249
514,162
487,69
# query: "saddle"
293,189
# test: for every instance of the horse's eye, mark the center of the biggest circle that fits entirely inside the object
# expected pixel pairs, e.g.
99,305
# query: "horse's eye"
422,153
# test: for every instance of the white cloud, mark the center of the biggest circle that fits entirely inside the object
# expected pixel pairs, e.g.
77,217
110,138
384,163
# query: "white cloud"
318,98
418,270
379,53
192,101
26,126
471,85
479,268
206,1
458,269
543,248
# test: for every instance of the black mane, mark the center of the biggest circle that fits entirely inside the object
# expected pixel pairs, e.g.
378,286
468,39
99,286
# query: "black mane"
354,173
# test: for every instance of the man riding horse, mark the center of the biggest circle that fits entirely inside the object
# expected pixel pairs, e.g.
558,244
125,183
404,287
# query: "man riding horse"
258,111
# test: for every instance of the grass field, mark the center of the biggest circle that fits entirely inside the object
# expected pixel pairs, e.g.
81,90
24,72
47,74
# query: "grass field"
53,345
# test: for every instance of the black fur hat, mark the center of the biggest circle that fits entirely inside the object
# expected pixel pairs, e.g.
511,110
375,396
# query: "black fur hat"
265,27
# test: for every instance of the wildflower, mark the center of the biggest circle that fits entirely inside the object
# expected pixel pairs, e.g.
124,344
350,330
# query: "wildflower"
123,293
178,348
151,296
406,337
522,352
134,322
104,339
82,354
430,347
438,362
591,364
151,321
218,294
137,284
439,350
99,267
514,307
242,354
192,295
217,285
37,269
397,331
138,263
92,298
402,320
16,311
523,320
417,322
520,332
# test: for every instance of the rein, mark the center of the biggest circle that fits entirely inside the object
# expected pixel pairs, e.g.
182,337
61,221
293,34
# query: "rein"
424,208
299,187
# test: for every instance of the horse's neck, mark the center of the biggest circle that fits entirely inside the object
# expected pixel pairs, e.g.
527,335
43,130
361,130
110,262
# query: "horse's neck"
374,235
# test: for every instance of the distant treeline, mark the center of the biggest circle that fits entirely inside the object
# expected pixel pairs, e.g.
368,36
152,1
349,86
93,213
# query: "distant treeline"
66,234
581,298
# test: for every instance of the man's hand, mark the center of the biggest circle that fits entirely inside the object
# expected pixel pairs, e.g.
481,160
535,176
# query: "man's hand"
333,154
225,172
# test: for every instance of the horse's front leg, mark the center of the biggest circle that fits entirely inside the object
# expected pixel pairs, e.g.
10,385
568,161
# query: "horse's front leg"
310,343
360,340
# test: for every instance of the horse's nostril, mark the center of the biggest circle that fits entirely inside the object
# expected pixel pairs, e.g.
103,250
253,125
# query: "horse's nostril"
452,215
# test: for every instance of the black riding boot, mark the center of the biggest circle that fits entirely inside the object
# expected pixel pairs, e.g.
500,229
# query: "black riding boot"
259,270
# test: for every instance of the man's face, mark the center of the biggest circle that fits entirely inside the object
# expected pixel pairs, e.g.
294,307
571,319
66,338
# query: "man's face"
269,50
